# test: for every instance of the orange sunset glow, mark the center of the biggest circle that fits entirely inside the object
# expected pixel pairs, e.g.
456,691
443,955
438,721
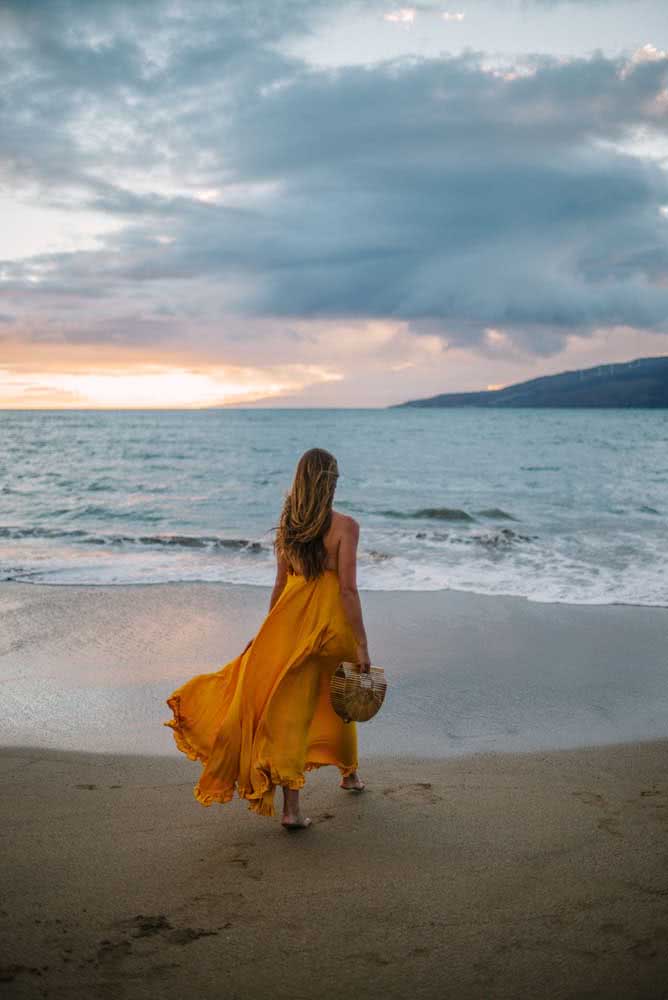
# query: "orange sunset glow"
152,387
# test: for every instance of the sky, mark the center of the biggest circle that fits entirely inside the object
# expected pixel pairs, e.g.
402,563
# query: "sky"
301,203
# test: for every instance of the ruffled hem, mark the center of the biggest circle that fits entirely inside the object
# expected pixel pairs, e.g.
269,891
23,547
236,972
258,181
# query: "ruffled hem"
177,727
260,801
267,780
343,768
226,795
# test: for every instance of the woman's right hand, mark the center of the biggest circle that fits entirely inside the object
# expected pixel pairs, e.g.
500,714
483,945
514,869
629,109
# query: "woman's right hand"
362,656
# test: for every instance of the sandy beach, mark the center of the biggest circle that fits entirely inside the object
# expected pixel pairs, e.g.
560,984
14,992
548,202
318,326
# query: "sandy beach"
505,876
497,852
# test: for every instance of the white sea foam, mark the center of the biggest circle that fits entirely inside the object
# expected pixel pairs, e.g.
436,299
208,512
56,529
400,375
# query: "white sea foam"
554,507
537,576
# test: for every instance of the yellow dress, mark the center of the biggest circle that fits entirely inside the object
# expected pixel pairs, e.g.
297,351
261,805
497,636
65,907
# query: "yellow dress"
265,717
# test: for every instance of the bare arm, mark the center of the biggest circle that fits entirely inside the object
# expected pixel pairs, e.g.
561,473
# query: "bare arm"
279,583
350,597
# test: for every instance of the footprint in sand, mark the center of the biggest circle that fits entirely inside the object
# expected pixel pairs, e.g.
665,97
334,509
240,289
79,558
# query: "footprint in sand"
419,793
109,951
184,935
143,926
9,972
610,825
140,926
370,956
591,798
649,947
243,863
147,926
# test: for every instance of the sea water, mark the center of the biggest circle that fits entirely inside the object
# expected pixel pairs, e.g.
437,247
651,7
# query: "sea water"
551,504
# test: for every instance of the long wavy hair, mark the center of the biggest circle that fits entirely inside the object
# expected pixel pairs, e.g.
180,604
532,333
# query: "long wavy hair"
307,514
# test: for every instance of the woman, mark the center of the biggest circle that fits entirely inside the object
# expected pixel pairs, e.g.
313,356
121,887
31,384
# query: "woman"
265,718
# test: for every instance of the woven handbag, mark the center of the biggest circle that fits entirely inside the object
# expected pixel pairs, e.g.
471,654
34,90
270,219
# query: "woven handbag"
356,696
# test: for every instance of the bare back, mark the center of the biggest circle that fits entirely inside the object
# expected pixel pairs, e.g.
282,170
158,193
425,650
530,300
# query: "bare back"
337,534
340,542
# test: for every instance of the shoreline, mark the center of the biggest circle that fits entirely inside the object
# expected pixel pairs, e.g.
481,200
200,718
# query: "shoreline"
504,875
362,590
407,759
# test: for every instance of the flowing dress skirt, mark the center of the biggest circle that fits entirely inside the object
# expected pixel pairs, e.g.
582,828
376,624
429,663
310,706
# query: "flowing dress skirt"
265,717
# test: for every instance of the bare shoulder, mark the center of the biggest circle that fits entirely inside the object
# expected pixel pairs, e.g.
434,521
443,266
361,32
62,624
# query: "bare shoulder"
344,524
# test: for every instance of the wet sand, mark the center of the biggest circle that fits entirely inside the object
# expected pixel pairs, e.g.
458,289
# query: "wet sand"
89,668
466,870
486,876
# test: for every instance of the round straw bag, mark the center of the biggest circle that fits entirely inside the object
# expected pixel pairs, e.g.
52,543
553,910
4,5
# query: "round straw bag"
355,696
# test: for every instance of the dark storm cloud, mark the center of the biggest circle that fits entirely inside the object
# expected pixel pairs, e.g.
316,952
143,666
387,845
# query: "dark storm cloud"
429,190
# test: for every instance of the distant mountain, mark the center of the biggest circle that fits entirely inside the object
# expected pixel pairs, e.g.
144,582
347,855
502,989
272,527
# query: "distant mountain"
639,383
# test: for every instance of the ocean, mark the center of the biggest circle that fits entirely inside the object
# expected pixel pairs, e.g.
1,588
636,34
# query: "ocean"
552,505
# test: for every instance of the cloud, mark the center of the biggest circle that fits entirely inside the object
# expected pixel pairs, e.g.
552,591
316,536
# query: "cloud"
249,190
405,15
408,15
649,53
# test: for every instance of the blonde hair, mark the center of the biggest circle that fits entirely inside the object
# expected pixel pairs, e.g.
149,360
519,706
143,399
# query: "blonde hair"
307,514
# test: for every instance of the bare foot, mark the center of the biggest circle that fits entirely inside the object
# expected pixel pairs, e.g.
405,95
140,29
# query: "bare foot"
292,818
295,822
352,783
